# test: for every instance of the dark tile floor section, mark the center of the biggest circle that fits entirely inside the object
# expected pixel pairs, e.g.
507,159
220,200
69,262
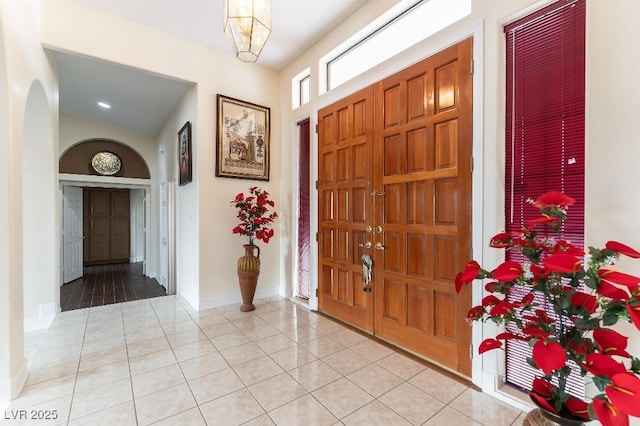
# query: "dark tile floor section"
107,284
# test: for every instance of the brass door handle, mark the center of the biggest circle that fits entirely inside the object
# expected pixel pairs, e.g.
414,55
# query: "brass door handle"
378,246
365,245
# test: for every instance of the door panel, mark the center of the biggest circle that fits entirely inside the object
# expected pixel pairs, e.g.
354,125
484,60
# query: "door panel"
403,185
423,151
107,226
345,133
72,238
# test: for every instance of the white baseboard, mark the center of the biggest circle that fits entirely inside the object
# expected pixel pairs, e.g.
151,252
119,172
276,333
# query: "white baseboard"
229,299
136,259
45,317
10,388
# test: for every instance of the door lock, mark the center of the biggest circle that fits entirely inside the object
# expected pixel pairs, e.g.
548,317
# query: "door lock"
368,228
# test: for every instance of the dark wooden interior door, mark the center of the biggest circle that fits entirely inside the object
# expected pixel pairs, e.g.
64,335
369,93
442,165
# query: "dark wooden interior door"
398,176
345,136
106,226
423,147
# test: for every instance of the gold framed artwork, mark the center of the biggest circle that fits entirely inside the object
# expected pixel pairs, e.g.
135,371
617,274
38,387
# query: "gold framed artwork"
243,142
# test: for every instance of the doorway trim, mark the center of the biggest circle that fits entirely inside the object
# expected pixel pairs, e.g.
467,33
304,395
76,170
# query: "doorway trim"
124,183
479,376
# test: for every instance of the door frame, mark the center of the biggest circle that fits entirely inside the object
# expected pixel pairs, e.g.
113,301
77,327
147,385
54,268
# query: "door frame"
89,184
417,53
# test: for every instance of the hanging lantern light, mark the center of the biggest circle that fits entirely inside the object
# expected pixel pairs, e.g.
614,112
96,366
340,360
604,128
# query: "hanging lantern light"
247,25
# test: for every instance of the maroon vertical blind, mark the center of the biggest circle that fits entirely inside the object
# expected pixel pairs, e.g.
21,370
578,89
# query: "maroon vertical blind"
544,134
304,211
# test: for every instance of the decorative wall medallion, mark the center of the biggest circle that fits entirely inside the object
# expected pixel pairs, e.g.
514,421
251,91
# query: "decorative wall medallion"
106,163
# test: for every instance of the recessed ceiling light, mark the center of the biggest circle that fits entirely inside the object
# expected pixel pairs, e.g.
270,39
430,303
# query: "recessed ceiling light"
104,105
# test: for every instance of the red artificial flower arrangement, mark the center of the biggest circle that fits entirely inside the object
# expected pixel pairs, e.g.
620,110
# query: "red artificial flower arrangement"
586,301
254,214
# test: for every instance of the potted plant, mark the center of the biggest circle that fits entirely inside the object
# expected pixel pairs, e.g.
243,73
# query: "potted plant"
255,223
586,299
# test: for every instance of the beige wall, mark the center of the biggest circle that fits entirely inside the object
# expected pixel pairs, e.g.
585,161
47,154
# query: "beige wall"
23,64
212,258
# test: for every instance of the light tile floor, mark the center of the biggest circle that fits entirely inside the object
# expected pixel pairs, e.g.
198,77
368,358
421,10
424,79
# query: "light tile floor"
157,361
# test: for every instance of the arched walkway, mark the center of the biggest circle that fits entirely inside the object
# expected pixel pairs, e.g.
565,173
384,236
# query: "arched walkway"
40,214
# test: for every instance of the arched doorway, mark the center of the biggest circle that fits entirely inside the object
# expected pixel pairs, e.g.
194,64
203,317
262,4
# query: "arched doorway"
105,236
39,212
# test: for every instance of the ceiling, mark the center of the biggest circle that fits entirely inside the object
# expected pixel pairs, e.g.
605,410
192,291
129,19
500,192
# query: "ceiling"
142,102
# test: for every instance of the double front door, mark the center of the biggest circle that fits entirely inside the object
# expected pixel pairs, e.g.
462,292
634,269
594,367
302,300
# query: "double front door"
394,188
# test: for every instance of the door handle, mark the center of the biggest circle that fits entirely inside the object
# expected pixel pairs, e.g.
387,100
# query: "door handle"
378,246
365,245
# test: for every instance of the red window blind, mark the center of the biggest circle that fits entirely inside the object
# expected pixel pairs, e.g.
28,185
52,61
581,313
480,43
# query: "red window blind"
544,134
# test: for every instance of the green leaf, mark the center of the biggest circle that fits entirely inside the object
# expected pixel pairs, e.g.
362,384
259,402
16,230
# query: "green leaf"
609,319
531,362
601,382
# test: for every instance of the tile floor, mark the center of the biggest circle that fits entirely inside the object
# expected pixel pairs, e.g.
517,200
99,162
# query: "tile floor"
156,361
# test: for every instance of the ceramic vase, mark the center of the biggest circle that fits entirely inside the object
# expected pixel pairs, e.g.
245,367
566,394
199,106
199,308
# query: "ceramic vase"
541,417
248,271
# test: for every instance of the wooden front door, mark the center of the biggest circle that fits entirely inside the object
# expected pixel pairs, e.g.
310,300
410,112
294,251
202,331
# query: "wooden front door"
414,193
345,177
106,226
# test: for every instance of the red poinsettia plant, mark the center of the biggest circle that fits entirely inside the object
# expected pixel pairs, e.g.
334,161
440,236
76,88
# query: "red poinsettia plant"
564,307
255,217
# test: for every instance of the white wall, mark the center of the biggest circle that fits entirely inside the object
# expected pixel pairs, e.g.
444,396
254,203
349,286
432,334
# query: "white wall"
612,205
613,102
187,260
215,248
23,61
39,170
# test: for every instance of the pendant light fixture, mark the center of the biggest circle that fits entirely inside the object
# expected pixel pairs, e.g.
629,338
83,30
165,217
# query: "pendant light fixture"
247,24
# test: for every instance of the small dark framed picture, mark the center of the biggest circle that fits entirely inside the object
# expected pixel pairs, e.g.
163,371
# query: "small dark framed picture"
243,145
184,154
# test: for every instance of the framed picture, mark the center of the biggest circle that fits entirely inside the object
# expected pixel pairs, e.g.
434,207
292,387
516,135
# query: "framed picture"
185,159
243,144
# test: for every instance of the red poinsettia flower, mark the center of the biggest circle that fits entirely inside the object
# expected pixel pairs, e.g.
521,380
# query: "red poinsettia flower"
528,299
469,274
511,336
578,407
489,344
620,278
254,215
536,332
543,402
490,300
612,292
608,414
475,313
553,198
507,271
603,365
584,300
564,246
500,240
562,263
541,219
610,342
624,393
623,249
502,308
548,356
542,387
634,314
